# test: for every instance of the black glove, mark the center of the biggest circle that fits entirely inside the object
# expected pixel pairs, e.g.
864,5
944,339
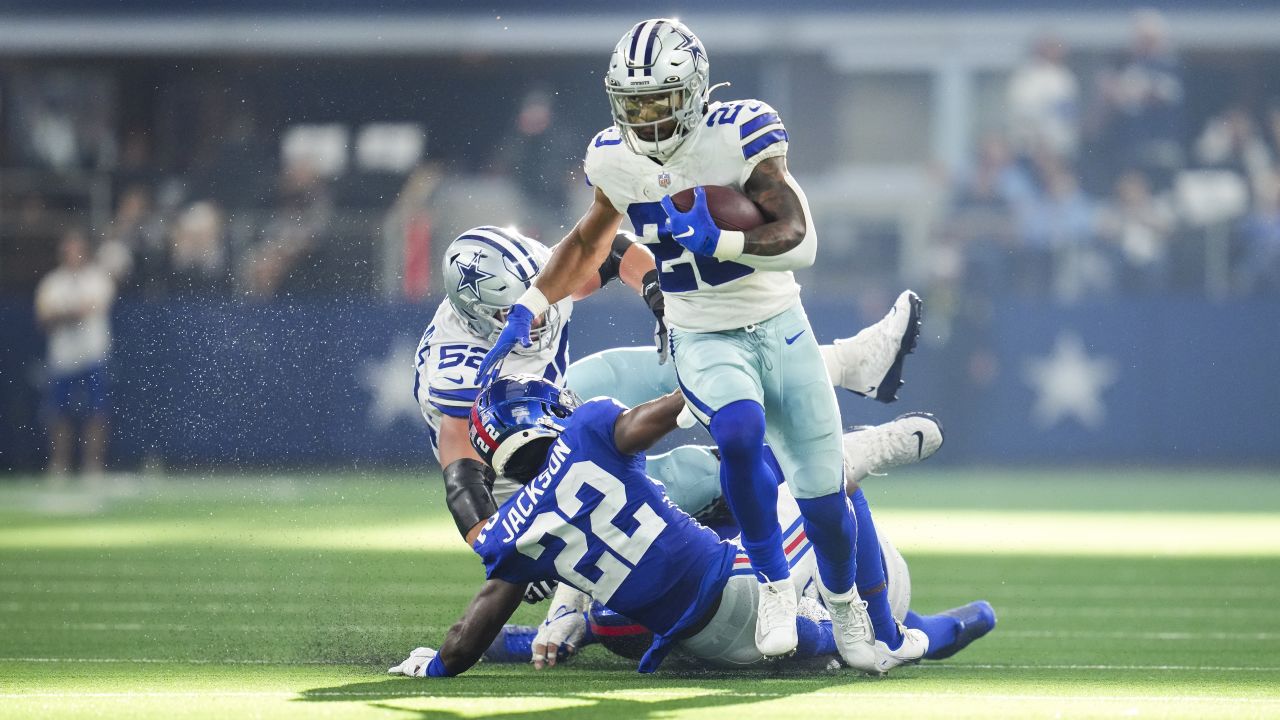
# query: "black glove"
658,306
539,591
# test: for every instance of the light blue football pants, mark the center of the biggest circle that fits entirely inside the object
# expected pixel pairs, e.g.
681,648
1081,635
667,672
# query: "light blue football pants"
775,363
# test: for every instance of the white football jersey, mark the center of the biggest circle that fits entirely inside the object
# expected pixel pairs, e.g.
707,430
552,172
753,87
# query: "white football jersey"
449,356
703,294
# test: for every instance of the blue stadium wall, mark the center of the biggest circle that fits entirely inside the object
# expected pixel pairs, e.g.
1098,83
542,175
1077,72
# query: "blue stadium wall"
330,383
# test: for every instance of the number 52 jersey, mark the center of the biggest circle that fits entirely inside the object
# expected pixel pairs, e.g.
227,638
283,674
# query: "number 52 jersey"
703,294
594,520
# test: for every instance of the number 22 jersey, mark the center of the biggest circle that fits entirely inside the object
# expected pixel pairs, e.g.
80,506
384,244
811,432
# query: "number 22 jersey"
594,520
702,294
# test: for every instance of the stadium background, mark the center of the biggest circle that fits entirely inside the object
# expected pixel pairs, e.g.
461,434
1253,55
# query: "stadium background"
1101,335
377,136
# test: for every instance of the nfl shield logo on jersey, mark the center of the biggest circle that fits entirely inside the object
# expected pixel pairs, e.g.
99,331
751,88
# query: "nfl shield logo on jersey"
664,179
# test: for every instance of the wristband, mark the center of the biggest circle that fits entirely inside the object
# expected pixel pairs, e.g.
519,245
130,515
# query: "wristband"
730,245
436,668
534,300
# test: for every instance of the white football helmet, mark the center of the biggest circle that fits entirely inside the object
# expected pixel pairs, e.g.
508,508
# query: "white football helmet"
486,269
657,86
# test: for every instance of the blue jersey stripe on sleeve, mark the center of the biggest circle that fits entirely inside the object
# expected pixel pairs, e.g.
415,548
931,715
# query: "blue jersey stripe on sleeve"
457,411
466,395
759,144
756,123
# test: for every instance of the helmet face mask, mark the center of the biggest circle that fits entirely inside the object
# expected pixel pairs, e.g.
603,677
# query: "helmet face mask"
486,269
657,84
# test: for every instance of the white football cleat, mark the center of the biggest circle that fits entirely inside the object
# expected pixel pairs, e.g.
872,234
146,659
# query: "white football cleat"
914,645
776,618
855,640
872,449
870,363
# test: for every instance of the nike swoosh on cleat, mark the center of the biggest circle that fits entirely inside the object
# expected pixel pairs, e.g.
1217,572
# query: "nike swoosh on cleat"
919,444
687,233
793,337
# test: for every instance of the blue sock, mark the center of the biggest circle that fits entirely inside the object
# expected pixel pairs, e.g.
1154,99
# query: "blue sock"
816,638
872,584
941,629
830,526
750,487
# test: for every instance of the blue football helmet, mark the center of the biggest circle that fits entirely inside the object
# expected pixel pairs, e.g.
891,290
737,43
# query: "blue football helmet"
519,413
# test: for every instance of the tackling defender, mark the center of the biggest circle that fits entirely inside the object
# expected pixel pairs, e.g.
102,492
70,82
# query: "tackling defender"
740,338
485,270
590,518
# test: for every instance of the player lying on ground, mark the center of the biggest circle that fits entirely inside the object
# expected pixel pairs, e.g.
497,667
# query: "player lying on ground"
748,363
867,450
485,270
585,482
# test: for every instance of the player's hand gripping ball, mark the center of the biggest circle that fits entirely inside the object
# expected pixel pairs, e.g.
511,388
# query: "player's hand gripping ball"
695,229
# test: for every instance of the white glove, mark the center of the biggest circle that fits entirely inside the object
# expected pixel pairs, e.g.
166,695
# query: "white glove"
564,627
416,664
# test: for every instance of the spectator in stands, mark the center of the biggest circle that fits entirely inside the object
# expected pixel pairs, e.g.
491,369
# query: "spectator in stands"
73,306
198,251
1233,141
1044,102
1143,102
1059,249
982,222
132,245
295,233
1259,267
1140,225
541,152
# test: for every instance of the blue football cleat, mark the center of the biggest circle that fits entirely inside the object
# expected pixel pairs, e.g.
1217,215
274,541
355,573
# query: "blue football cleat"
976,619
514,644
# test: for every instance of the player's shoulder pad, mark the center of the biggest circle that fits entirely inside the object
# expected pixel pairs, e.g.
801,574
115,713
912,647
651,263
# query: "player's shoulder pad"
753,125
602,146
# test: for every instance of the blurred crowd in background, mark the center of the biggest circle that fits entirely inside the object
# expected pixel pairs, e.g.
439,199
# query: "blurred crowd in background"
197,179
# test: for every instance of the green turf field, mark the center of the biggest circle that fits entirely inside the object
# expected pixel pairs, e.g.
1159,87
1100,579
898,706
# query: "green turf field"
1133,594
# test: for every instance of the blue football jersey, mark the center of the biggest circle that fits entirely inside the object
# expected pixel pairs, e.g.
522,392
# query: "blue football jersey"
594,520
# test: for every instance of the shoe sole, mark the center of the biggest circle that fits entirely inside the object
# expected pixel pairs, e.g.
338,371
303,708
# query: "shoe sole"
887,391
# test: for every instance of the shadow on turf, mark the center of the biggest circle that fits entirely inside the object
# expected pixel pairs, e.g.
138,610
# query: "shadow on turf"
751,686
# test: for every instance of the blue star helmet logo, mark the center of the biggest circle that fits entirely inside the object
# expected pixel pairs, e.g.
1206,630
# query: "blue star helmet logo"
472,275
692,45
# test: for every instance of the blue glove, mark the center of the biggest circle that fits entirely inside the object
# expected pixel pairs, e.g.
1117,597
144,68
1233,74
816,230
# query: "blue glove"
519,323
695,229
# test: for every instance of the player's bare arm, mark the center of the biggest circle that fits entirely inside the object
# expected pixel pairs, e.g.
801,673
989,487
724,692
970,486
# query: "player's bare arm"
453,441
631,267
577,257
480,624
637,429
772,188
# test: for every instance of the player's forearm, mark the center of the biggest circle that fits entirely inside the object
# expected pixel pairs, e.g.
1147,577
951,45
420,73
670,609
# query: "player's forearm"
787,241
470,636
636,263
573,263
639,428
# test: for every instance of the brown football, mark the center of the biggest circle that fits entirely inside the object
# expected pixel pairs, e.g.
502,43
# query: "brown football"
729,208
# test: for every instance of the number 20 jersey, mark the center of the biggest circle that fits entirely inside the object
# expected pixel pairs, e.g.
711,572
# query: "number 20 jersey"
702,294
594,520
